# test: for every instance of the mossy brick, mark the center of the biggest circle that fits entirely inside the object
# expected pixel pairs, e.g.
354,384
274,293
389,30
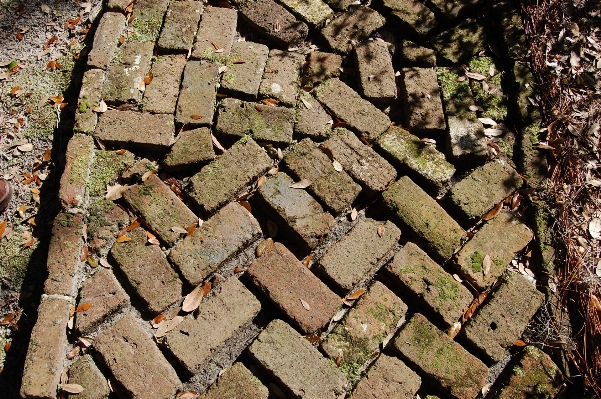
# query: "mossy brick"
296,209
219,181
134,172
524,86
417,274
465,141
134,360
482,189
243,76
501,321
423,162
311,121
191,148
199,337
367,324
491,97
534,372
197,94
237,382
336,190
179,28
340,5
355,25
320,67
287,283
84,372
461,42
63,254
80,150
438,233
160,96
45,357
160,208
282,79
533,160
273,21
106,39
107,167
358,254
264,123
360,161
448,11
501,239
313,12
117,5
421,101
147,272
127,69
148,19
280,349
515,43
411,54
217,25
106,296
376,74
412,17
444,361
359,114
135,130
456,93
220,238
89,97
388,378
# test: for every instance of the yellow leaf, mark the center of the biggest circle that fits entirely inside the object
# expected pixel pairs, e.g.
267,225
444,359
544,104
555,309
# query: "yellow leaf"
356,295
123,239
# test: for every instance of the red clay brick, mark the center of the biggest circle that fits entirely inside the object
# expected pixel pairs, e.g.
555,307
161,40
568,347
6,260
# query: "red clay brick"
73,181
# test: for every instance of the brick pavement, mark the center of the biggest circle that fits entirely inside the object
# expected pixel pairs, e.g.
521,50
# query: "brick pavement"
327,203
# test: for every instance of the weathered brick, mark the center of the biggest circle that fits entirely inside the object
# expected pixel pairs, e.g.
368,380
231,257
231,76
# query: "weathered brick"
359,114
124,128
482,189
47,347
358,254
243,78
367,324
296,209
135,361
359,160
117,5
85,373
217,25
421,101
466,141
106,39
423,162
335,189
500,322
356,25
287,282
221,237
280,349
449,11
313,12
148,19
283,80
147,271
416,273
388,378
412,17
197,95
500,239
223,178
444,360
340,5
179,28
127,69
160,208
63,254
376,74
274,21
106,296
237,382
161,94
237,118
534,372
312,120
72,191
321,66
426,220
461,42
413,55
89,97
200,336
516,45
191,148
456,93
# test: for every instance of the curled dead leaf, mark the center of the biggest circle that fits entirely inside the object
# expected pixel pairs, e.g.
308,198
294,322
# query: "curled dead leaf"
114,192
192,228
148,78
519,342
73,352
134,225
454,330
104,263
273,171
356,294
307,260
101,108
152,240
216,143
486,264
476,302
272,102
494,211
193,299
187,395
262,180
303,183
180,230
71,388
263,245
337,166
238,270
238,61
83,307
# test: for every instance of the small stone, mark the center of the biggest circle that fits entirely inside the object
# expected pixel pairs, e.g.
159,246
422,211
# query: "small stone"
243,76
191,148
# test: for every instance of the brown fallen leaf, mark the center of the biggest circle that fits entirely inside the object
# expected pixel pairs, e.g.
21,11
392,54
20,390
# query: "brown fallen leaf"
238,270
180,230
215,45
273,171
355,295
83,307
14,91
494,211
121,151
191,229
307,260
114,192
381,230
134,225
454,330
123,239
262,180
258,108
101,108
19,35
314,339
238,61
486,264
56,99
263,246
270,70
193,299
84,342
519,342
2,228
246,205
187,395
476,302
168,325
338,361
158,319
148,78
104,263
216,143
71,388
196,116
206,289
50,41
84,253
303,183
152,240
73,352
305,304
271,102
47,155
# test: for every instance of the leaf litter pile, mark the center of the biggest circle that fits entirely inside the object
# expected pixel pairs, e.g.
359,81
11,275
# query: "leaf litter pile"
566,53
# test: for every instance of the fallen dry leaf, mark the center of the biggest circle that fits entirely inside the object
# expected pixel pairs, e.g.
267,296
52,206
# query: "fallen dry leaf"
14,91
594,228
56,99
71,388
486,264
3,227
216,143
305,304
167,326
123,239
263,246
152,240
102,107
338,361
73,352
83,307
454,330
47,155
84,253
121,151
337,166
105,263
356,294
115,192
25,147
303,183
476,302
193,299
180,230
519,342
187,395
314,339
215,45
306,103
238,61
307,260
262,180
246,205
134,225
273,171
148,78
475,76
258,108
196,116
381,230
493,212
354,214
238,270
191,229
270,102
270,70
